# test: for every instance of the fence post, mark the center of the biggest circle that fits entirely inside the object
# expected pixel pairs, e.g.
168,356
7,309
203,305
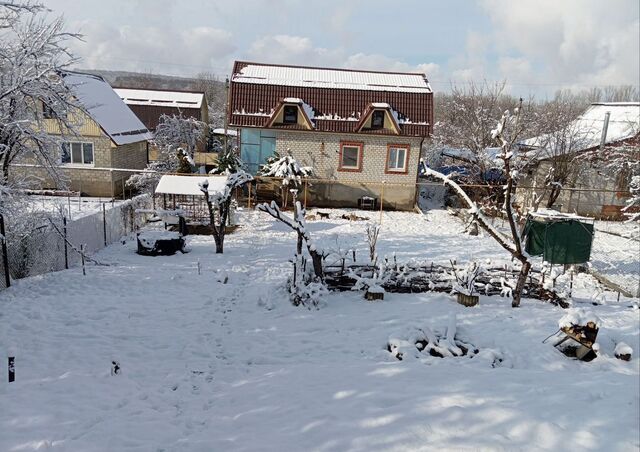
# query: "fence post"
82,247
104,224
66,250
305,193
381,200
12,369
5,253
249,197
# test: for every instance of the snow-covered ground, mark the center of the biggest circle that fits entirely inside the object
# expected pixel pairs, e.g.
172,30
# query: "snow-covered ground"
209,366
73,207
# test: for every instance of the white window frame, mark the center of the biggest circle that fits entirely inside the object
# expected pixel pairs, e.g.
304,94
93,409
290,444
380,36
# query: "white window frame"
396,168
82,145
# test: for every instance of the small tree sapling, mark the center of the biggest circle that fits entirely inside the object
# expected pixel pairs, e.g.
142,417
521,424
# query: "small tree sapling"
219,203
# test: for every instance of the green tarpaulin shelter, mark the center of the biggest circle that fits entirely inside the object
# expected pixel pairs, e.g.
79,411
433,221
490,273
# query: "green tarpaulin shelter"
559,238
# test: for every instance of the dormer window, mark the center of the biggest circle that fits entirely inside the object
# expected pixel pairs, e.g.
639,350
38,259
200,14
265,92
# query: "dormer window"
377,119
290,114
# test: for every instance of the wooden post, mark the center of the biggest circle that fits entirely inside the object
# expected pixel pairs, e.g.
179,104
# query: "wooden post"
104,224
66,251
80,197
12,369
5,253
381,201
84,272
249,197
305,193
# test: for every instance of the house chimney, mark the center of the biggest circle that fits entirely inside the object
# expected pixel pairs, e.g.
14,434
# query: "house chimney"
605,126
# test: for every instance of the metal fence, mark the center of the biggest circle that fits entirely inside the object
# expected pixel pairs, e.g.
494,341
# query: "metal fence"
48,241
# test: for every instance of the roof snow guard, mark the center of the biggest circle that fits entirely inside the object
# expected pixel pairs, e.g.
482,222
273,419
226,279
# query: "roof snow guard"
311,77
338,97
160,98
106,108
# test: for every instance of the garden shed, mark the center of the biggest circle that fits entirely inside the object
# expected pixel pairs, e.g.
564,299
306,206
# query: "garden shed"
559,238
183,192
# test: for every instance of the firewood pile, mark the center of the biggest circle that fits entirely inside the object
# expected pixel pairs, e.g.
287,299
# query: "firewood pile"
420,278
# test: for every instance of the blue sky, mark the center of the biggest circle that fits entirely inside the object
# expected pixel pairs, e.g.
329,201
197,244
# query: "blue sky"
537,46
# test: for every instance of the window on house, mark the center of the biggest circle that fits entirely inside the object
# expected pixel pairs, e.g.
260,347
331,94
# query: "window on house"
79,153
397,159
290,114
47,111
350,156
377,119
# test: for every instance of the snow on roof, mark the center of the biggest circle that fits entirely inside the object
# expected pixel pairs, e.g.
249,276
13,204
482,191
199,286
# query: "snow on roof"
189,185
551,214
331,78
220,131
624,122
106,108
176,99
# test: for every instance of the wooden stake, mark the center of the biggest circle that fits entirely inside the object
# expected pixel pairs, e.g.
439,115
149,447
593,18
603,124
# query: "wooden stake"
12,369
381,200
305,193
84,272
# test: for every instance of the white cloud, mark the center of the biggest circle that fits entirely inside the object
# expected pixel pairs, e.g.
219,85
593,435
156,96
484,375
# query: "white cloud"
571,42
152,48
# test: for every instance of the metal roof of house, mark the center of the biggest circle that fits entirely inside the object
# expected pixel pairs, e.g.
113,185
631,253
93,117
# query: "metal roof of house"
624,123
272,74
177,99
106,108
337,97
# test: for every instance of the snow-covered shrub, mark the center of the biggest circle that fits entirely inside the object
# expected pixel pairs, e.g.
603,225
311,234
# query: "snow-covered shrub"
465,279
289,170
373,230
227,162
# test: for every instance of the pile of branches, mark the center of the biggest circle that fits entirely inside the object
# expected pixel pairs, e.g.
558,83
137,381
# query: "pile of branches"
431,277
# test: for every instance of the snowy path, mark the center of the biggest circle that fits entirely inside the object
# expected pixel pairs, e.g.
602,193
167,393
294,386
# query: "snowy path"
208,365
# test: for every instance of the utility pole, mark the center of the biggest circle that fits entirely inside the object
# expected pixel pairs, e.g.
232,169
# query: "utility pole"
226,113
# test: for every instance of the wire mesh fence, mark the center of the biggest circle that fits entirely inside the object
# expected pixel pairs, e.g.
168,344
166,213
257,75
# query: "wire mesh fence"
615,256
47,241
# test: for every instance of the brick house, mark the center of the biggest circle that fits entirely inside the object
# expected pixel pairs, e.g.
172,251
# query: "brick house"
356,129
109,139
603,126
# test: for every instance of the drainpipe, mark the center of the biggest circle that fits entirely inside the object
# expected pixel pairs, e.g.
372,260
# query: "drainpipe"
605,126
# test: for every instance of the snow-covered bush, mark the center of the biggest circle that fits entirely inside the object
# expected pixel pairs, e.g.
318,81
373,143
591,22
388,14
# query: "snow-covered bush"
289,170
465,279
227,162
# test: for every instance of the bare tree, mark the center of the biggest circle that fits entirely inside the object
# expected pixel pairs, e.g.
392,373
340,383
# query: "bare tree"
560,137
298,224
177,139
219,204
508,133
33,60
216,95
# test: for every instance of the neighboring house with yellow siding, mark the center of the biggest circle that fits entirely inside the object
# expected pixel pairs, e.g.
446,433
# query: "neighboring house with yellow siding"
109,140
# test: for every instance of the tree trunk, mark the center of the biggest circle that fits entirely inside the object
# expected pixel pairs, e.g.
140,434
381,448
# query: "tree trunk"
553,196
522,279
316,259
